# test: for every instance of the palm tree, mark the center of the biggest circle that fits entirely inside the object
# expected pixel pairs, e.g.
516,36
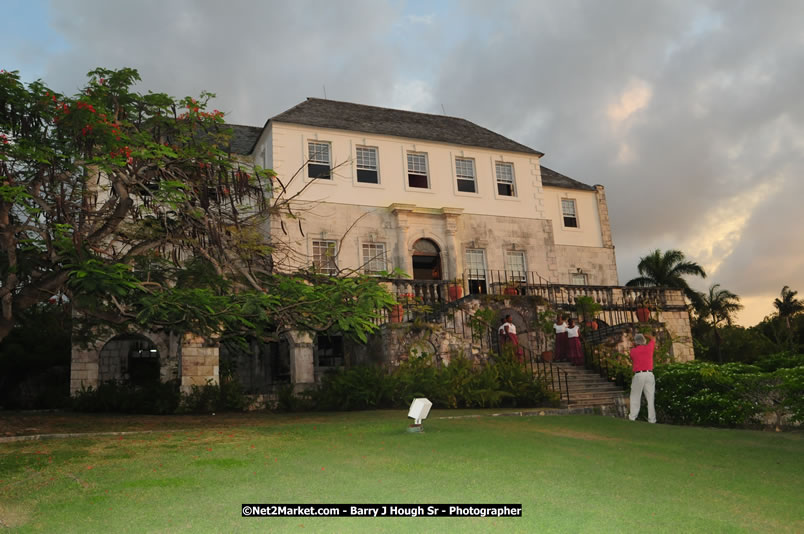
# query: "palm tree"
668,270
718,306
788,305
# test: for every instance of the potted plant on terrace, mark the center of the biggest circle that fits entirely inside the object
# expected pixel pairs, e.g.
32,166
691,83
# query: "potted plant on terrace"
510,288
544,323
397,311
455,289
587,308
643,310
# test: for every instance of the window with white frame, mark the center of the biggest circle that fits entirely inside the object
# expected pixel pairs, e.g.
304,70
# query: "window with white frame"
374,261
320,162
578,279
505,179
569,213
367,167
417,170
465,172
324,252
515,268
476,264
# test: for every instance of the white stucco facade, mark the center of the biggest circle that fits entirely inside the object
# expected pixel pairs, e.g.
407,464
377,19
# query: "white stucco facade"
526,227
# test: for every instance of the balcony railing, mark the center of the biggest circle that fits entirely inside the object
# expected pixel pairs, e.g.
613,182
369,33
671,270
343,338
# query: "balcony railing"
530,283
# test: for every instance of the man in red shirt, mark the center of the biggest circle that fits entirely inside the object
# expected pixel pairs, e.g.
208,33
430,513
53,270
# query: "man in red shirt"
643,381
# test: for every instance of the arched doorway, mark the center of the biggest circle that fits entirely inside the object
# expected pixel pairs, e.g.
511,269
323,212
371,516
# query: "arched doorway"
130,358
426,260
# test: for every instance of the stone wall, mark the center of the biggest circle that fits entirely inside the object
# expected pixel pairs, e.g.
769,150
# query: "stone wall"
677,323
597,263
199,363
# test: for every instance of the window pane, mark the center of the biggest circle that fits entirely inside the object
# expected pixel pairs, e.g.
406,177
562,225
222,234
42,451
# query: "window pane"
465,168
367,158
314,170
329,350
417,163
466,186
417,180
324,257
476,264
367,165
515,266
319,152
318,166
374,257
505,179
568,207
367,177
417,171
465,171
505,190
568,211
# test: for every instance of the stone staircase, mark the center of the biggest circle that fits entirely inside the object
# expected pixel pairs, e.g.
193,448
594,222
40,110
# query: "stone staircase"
589,389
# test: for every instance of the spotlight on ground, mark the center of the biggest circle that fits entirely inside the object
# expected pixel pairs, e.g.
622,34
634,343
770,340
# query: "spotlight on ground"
419,409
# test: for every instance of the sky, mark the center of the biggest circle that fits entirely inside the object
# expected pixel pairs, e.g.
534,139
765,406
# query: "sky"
689,113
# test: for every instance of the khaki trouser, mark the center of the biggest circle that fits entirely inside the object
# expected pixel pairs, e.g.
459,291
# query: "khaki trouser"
643,382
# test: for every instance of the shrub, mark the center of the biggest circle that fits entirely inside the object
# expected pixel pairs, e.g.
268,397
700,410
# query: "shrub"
702,393
782,360
461,384
791,388
359,388
157,398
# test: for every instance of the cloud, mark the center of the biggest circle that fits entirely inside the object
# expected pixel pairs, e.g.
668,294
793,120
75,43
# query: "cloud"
689,112
260,58
635,97
421,19
411,95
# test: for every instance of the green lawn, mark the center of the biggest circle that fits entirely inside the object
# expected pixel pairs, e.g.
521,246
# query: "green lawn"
570,473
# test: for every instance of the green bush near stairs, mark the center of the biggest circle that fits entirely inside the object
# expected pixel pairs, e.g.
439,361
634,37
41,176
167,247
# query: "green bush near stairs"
502,381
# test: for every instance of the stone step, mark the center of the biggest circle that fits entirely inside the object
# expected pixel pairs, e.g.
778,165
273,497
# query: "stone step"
598,399
581,383
597,388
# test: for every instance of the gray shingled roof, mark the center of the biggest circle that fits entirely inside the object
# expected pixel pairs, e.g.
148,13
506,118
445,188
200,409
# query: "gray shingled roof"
552,178
243,138
384,121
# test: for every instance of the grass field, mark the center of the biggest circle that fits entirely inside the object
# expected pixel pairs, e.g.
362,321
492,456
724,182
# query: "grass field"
570,473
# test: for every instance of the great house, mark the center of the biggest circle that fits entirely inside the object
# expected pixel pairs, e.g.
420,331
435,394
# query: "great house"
437,197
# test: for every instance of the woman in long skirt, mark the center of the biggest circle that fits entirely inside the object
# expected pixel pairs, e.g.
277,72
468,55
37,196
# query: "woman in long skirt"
574,350
560,326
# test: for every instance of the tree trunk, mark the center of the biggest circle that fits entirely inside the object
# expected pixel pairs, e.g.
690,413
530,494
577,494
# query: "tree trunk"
5,327
717,339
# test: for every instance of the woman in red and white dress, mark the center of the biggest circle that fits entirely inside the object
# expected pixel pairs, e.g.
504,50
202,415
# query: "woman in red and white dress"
574,350
510,338
560,326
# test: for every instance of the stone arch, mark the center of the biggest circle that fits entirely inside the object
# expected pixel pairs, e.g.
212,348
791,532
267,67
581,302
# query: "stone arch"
422,347
131,357
516,317
428,235
427,259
